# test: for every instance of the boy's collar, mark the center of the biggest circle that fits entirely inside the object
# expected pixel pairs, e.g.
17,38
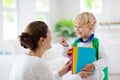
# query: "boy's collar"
88,40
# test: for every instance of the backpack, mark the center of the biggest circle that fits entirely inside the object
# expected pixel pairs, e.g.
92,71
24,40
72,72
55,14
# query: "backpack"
95,43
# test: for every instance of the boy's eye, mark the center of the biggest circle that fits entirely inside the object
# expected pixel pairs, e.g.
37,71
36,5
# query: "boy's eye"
77,27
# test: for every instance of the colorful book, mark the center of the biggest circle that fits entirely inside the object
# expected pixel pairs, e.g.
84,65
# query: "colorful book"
82,56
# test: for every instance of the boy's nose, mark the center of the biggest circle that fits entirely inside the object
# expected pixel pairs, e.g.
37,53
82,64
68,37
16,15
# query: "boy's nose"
78,29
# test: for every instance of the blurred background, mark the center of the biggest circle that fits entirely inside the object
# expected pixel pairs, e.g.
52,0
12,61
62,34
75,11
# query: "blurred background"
58,14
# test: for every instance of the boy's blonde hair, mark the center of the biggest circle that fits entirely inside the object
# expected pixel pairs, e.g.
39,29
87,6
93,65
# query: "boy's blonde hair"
85,18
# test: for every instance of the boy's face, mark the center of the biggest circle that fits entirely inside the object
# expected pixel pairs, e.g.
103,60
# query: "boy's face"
83,31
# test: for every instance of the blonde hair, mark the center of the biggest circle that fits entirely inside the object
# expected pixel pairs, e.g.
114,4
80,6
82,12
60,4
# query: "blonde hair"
85,18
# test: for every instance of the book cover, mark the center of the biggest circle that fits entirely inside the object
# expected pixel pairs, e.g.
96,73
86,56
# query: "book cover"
82,56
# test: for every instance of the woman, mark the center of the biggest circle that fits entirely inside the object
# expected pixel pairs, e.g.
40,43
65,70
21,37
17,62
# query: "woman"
37,38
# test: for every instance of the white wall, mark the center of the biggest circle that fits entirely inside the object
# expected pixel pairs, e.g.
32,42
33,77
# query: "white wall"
53,13
26,13
114,10
69,8
110,11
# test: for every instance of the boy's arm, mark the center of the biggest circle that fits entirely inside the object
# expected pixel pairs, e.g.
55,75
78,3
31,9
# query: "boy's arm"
103,60
65,50
65,45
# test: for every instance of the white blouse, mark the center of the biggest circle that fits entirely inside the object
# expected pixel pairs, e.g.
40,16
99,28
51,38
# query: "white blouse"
32,68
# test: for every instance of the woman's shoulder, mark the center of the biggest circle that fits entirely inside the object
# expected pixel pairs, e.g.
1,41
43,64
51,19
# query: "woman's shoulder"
37,60
33,61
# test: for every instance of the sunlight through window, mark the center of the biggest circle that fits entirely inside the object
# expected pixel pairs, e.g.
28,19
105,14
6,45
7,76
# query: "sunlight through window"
9,19
9,25
42,9
94,6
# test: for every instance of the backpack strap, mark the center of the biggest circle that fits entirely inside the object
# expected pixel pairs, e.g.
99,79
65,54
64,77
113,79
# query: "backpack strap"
96,45
75,43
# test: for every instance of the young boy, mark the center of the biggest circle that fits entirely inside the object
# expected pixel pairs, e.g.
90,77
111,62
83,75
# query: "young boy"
85,24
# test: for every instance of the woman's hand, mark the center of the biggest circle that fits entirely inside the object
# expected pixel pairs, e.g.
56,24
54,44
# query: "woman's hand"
64,42
65,69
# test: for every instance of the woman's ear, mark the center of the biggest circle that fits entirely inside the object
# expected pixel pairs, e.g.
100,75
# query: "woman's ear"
41,40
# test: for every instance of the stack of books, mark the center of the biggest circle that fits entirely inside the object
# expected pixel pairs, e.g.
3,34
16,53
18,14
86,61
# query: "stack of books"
80,57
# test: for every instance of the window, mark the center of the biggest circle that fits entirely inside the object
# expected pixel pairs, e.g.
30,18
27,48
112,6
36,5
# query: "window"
11,25
9,15
94,6
42,10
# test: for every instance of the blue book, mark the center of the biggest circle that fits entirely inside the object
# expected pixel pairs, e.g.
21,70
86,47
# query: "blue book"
85,56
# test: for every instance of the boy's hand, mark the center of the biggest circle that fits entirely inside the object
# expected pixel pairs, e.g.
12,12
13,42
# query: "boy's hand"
89,67
64,42
85,74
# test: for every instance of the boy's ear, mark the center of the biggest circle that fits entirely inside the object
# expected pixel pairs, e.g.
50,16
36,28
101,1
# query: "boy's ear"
92,28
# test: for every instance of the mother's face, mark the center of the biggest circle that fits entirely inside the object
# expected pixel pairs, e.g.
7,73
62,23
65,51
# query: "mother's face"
45,43
48,39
